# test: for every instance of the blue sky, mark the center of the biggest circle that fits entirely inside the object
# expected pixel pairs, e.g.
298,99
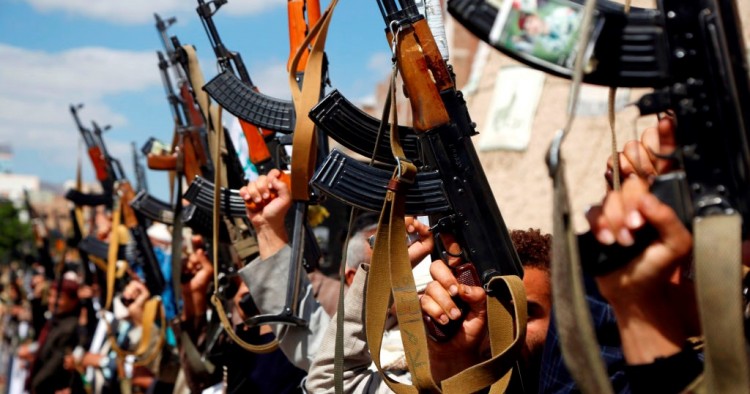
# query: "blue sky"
103,53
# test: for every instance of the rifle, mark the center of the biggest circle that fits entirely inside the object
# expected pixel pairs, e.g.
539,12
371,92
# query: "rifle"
105,172
451,186
260,155
629,49
703,80
189,123
144,252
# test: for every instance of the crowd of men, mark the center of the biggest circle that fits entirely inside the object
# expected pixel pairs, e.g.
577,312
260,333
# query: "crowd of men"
58,337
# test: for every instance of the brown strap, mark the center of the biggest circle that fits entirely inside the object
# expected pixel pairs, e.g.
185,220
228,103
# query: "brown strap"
303,144
114,246
718,279
195,74
215,299
578,342
507,317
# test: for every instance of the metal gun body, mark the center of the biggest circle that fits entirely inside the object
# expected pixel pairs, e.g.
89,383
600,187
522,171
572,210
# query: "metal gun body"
709,94
629,53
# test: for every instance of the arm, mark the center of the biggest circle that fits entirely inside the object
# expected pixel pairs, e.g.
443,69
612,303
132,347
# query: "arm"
651,299
357,360
644,293
267,275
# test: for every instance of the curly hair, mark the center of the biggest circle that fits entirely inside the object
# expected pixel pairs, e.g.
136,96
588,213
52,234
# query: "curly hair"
533,247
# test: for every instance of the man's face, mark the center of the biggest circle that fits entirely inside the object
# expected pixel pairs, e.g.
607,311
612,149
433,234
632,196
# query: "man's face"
62,304
538,296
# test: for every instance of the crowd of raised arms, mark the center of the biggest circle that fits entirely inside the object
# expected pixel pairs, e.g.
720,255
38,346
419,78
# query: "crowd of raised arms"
222,290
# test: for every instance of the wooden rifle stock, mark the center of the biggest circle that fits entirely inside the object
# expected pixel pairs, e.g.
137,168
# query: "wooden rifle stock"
256,144
166,162
299,27
127,194
297,31
429,111
196,121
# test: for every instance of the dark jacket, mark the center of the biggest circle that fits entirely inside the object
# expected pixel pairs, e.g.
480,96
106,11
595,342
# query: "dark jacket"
47,373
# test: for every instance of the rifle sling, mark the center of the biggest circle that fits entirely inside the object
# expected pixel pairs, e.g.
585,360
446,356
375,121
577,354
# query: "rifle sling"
304,142
578,343
215,298
391,275
718,281
114,245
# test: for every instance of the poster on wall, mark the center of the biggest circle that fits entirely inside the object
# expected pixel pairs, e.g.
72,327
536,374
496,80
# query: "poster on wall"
512,109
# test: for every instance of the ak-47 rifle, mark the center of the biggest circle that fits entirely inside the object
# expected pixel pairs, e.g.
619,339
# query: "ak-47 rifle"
692,53
144,251
264,149
189,123
106,172
258,146
451,187
265,153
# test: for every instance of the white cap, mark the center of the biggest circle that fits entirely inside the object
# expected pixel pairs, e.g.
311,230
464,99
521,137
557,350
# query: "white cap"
159,232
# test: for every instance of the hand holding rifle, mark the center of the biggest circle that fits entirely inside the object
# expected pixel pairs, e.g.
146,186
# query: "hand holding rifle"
272,196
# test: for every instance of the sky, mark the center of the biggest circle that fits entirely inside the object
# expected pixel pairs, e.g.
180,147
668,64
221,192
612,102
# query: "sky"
102,53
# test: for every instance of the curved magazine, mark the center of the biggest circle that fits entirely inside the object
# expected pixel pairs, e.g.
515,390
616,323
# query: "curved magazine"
627,50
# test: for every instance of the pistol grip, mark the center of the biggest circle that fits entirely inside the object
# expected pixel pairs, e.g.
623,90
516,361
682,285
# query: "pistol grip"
254,207
465,274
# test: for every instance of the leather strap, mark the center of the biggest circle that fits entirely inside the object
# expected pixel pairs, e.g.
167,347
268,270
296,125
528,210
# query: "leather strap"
718,280
303,143
215,299
114,246
195,75
578,343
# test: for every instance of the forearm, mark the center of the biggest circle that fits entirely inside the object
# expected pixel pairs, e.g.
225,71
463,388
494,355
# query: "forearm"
267,280
270,240
649,330
357,357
